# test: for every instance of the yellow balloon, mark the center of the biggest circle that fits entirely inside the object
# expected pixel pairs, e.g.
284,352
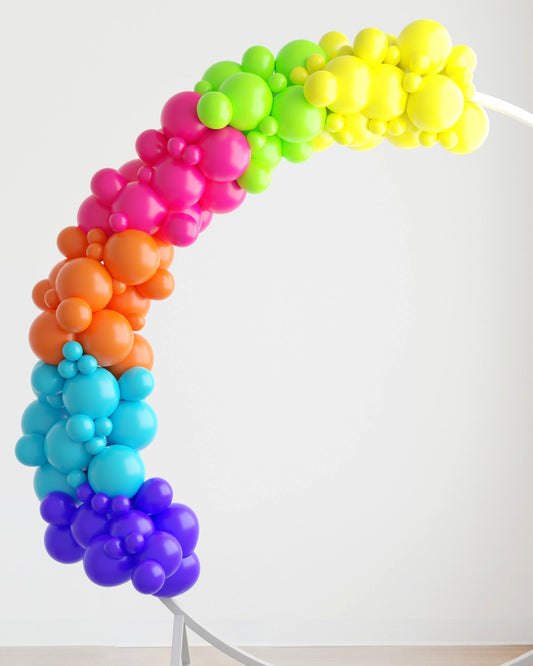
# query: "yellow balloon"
320,88
424,46
331,42
408,138
371,45
357,125
368,146
436,105
471,129
388,97
353,83
467,53
322,141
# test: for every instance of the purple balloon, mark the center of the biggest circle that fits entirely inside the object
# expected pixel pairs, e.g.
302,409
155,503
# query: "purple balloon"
60,545
57,508
133,521
164,548
87,524
181,521
148,577
105,570
154,495
184,578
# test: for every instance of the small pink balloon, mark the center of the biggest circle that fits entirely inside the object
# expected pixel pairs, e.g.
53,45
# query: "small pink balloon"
222,197
92,215
205,219
178,184
180,229
151,146
225,154
131,169
144,209
118,222
106,185
179,117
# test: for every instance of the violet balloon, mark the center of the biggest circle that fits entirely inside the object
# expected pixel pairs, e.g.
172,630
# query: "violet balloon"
181,521
105,570
154,496
87,524
164,548
57,508
60,544
184,578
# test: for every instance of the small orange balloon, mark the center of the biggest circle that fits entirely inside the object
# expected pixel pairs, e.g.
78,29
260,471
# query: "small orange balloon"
47,338
166,252
72,242
74,314
130,301
131,256
86,279
52,276
109,338
95,251
159,286
137,321
141,354
38,293
96,235
51,299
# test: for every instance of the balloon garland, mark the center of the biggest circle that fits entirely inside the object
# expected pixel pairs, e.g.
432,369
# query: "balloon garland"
90,417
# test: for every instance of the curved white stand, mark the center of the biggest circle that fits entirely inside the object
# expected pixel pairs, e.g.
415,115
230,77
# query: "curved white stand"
524,660
506,108
180,655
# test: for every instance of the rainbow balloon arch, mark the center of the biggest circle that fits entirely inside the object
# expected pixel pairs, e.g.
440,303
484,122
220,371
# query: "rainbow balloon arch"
90,418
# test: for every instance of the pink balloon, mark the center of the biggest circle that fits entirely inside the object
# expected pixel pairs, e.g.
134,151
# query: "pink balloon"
205,219
222,197
131,169
106,185
151,146
181,229
179,117
225,154
144,209
178,184
92,214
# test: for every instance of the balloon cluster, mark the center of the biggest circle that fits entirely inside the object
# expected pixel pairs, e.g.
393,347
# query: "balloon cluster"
216,143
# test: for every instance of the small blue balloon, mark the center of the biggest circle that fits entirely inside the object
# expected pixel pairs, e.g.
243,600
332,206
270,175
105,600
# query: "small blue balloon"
63,452
117,470
40,417
95,395
80,427
29,450
134,424
45,379
103,427
72,350
95,445
48,479
136,383
67,369
87,364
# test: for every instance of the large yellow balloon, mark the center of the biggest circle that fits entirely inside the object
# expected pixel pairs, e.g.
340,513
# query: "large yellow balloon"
424,47
436,105
353,83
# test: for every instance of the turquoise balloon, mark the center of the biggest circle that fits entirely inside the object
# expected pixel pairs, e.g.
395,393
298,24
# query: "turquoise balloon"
136,384
29,450
95,395
118,470
134,424
48,479
64,453
45,380
40,417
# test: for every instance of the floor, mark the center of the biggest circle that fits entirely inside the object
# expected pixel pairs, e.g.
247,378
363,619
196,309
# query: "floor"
206,656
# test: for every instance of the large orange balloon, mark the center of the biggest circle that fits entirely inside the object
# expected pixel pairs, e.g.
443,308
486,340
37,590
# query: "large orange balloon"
109,337
86,279
72,242
47,338
159,286
141,354
131,256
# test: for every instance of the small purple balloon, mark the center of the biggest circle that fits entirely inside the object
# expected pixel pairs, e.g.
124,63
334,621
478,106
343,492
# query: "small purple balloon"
105,570
133,521
57,508
60,545
164,548
154,496
181,521
87,524
148,577
184,578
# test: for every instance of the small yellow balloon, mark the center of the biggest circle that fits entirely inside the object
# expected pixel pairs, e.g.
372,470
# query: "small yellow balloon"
371,46
353,83
388,97
471,129
436,105
331,42
424,46
368,146
322,141
357,125
320,88
467,53
408,138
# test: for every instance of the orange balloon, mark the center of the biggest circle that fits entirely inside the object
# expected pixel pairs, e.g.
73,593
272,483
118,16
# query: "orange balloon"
38,293
47,338
74,314
166,252
95,251
72,242
52,276
130,301
86,279
109,337
159,286
51,299
97,235
131,256
141,354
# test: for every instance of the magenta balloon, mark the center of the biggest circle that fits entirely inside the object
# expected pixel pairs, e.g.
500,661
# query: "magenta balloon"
179,117
222,197
178,184
225,154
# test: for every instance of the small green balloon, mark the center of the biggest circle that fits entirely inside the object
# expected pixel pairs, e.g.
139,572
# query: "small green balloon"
297,152
295,54
277,82
268,126
203,87
220,71
214,110
256,140
297,119
250,99
258,60
270,154
256,178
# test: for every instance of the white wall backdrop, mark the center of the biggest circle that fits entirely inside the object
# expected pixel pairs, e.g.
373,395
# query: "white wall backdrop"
345,370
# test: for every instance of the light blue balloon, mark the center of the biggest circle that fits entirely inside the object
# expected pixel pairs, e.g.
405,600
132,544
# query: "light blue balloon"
45,379
80,427
118,470
29,450
96,394
136,383
134,424
64,453
40,417
47,479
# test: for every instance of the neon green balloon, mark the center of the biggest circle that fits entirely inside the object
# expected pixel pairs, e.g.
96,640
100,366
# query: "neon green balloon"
250,98
220,71
295,54
297,119
297,152
270,154
258,60
214,110
256,178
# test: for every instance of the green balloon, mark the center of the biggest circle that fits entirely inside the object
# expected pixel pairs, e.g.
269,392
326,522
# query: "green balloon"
203,87
250,99
221,71
256,178
297,119
297,152
270,154
295,54
258,60
214,110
